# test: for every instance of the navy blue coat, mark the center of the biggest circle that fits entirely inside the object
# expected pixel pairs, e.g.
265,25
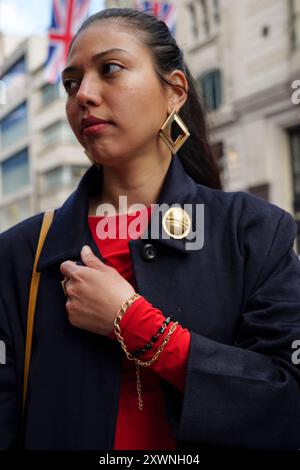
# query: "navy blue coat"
239,295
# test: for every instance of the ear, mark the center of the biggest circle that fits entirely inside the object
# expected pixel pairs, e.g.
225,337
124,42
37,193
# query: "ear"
177,95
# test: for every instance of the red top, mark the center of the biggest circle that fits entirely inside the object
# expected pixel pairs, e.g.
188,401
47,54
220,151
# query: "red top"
147,429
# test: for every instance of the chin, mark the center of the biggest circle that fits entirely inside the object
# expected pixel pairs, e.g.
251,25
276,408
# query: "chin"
106,158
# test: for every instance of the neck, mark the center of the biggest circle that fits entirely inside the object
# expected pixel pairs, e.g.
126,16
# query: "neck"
139,182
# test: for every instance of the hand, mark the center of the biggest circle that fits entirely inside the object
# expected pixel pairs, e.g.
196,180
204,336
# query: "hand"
95,293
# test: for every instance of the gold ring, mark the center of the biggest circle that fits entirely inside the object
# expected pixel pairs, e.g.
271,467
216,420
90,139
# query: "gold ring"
63,283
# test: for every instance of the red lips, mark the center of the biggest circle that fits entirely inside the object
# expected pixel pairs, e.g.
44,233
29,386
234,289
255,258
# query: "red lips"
92,121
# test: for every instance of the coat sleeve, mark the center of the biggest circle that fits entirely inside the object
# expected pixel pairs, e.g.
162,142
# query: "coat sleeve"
246,395
8,387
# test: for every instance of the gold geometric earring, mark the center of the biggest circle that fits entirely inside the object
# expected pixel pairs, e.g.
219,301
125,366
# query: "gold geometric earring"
174,146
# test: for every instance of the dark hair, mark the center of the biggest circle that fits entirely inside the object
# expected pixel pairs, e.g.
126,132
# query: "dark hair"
196,154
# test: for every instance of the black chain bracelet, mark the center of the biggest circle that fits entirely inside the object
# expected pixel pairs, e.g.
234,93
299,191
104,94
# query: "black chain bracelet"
154,338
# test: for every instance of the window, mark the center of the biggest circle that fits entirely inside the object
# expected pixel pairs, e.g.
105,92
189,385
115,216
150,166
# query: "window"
15,172
2,92
13,126
295,23
52,179
57,132
294,138
204,18
211,88
50,92
295,156
194,20
68,175
14,213
14,80
216,12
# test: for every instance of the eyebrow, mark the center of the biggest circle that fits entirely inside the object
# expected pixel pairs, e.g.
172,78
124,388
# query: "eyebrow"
95,58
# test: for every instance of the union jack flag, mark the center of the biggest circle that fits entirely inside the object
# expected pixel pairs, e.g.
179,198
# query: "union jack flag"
165,11
67,17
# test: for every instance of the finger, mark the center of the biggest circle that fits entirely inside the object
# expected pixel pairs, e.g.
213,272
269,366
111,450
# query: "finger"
67,267
90,259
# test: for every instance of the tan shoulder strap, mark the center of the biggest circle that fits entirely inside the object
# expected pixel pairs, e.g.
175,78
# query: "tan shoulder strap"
35,279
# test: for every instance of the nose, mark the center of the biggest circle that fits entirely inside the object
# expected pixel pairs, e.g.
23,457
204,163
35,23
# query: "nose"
89,92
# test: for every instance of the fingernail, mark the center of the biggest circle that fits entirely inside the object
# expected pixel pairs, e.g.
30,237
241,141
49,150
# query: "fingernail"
86,250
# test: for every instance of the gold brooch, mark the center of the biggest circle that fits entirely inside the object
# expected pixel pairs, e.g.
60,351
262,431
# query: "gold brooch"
176,222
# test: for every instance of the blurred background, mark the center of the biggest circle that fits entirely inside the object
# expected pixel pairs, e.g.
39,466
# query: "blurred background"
244,55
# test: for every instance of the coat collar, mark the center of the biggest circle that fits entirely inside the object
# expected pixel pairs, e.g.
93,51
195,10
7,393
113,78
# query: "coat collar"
70,230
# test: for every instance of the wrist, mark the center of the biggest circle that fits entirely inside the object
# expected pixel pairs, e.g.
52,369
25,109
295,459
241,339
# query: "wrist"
121,312
124,307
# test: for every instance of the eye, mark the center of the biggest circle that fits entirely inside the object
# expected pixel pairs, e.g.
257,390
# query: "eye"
69,85
108,64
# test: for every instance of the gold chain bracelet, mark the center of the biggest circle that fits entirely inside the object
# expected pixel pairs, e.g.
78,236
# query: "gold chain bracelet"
129,356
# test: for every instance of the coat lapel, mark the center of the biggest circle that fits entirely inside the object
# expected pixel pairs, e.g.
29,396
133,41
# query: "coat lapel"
70,230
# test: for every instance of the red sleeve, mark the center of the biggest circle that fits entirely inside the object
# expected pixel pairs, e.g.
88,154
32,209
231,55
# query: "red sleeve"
142,321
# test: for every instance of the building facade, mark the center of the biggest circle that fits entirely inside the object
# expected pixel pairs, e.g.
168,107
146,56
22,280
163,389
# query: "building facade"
40,160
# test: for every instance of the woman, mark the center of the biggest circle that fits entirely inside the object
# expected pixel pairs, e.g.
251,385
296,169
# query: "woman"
219,372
